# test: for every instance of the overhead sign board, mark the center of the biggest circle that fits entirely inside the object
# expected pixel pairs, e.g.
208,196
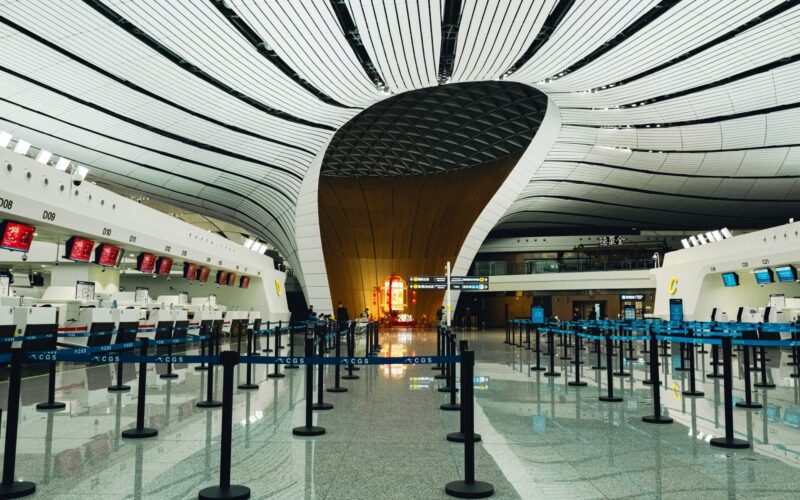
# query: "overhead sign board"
456,282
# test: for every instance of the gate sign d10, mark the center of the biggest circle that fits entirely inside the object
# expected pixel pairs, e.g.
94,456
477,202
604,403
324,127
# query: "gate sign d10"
456,282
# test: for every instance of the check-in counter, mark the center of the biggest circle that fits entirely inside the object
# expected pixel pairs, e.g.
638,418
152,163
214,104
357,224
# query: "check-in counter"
163,321
234,321
99,326
126,322
7,327
36,321
252,316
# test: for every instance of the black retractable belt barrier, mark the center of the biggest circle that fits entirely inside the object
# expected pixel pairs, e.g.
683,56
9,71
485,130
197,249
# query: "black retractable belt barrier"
508,332
748,392
438,366
210,402
266,347
577,382
551,350
764,383
538,367
621,370
338,347
450,347
682,367
458,437
309,429
656,417
205,331
469,487
290,336
692,392
441,349
528,336
728,441
664,348
609,397
10,488
51,403
276,372
119,386
598,364
795,354
248,385
321,404
351,352
564,345
520,334
169,373
451,380
715,362
631,356
225,489
140,431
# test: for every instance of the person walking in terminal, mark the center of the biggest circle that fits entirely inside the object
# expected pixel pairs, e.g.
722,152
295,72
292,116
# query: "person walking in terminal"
440,316
312,316
592,315
342,316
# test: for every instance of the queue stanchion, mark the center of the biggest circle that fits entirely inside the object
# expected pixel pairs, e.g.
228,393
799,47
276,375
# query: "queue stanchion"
577,382
351,352
764,382
621,369
321,404
692,392
338,348
204,333
51,404
469,487
290,336
276,371
10,488
538,367
551,350
715,362
795,354
248,385
748,391
442,349
210,402
528,335
598,363
438,366
119,386
448,351
309,429
266,344
508,332
656,417
140,431
728,441
451,381
564,346
520,333
609,397
169,373
226,490
458,437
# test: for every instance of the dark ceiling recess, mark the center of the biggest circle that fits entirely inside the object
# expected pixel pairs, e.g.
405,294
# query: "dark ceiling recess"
437,129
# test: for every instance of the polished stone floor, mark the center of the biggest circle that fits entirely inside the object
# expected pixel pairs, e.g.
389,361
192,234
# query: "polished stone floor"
386,436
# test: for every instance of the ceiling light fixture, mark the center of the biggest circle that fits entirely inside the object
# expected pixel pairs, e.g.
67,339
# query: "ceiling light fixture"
5,139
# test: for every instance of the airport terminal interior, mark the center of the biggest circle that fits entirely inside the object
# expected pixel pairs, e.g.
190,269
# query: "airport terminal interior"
393,249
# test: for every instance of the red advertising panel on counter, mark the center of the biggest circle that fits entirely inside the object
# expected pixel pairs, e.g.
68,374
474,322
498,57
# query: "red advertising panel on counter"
244,282
163,266
232,279
203,273
107,255
79,249
189,271
16,236
146,262
222,277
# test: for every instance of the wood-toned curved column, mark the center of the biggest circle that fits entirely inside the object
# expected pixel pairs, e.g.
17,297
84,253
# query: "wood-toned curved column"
374,226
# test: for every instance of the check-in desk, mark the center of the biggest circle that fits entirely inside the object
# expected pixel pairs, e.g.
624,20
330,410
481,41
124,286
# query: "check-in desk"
126,322
36,321
7,327
98,329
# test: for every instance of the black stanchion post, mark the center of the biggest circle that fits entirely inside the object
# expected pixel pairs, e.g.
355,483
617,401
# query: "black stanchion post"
656,417
266,346
438,366
309,429
598,364
538,367
210,402
338,348
508,333
458,437
205,331
119,386
442,351
469,487
715,362
321,404
528,335
290,336
248,385
276,371
577,382
51,403
692,392
226,490
621,370
169,373
552,353
10,488
451,381
564,345
140,431
728,441
748,391
449,367
609,397
351,352
764,383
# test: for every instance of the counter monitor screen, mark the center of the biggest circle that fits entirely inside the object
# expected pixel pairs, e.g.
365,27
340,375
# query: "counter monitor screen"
84,290
786,274
189,271
203,273
730,279
142,295
222,277
764,276
5,284
107,255
146,262
232,279
16,236
163,266
79,249
244,282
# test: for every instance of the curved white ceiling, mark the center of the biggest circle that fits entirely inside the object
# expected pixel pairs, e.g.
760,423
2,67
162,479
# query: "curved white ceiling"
675,113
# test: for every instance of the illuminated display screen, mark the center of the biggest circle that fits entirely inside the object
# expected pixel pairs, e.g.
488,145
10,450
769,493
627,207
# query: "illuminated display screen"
146,262
786,274
164,265
222,277
764,276
730,279
537,315
16,236
244,282
203,273
107,255
232,279
79,249
189,271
